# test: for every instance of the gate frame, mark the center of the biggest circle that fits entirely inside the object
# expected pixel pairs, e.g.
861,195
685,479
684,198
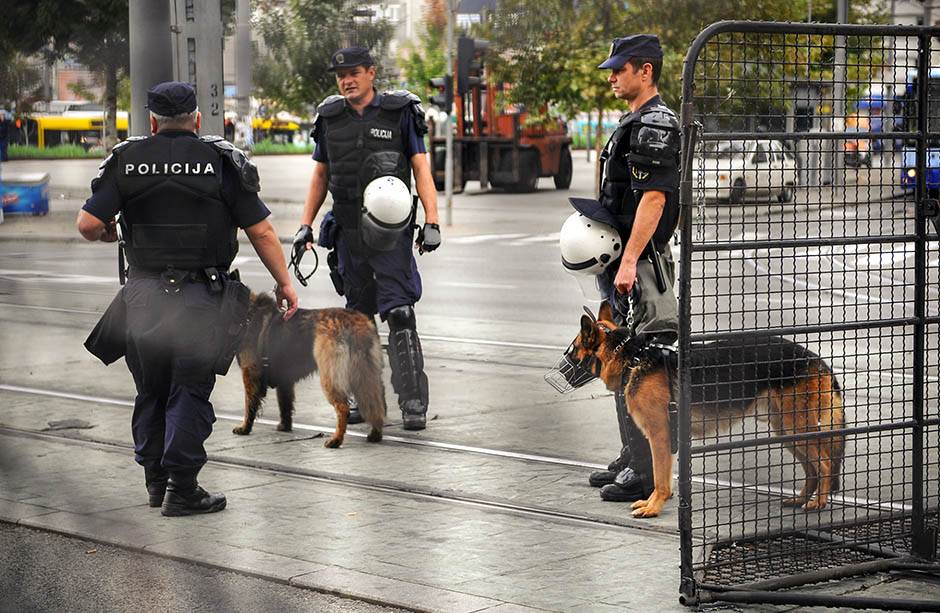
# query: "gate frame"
923,538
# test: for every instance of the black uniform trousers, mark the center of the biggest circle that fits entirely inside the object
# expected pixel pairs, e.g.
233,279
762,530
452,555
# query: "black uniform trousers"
171,346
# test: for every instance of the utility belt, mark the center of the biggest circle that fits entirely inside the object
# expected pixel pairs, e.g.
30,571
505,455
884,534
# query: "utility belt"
107,340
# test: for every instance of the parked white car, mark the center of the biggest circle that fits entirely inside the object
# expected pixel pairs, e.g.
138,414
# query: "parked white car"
740,170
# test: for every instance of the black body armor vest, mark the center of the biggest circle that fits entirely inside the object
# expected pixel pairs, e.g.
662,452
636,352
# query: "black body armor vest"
616,192
359,151
173,212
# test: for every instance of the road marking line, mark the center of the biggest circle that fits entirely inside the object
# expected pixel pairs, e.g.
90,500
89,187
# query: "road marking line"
482,238
475,285
708,481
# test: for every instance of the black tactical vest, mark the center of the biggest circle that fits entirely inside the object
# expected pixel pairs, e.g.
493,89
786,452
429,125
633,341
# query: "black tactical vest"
173,212
616,191
359,150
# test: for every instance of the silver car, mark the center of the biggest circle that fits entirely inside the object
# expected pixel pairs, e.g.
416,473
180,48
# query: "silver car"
739,170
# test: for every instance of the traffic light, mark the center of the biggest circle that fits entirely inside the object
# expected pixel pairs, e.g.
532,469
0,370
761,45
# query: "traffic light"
444,98
469,62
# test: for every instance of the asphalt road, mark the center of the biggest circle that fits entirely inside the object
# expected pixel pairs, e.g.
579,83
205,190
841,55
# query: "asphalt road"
46,572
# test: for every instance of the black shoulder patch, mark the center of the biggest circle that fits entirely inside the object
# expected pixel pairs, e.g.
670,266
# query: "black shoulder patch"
397,99
110,160
331,106
660,116
247,171
317,132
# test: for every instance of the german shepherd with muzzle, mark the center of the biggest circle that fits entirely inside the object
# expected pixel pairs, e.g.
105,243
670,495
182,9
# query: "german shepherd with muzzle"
341,343
731,379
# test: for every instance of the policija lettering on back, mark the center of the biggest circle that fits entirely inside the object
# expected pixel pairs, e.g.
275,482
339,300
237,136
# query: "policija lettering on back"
175,168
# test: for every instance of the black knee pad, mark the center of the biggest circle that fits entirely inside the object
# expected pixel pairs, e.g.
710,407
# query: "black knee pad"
401,318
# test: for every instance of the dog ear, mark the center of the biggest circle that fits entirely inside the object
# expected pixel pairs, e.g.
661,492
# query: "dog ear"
588,332
606,313
589,313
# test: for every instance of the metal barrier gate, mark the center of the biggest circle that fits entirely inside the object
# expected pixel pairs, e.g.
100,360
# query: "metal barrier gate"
809,186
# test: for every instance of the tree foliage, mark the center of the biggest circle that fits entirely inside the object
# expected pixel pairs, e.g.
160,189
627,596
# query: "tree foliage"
300,36
423,60
550,51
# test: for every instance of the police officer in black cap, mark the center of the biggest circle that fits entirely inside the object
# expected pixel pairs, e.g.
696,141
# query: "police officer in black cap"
363,135
181,199
639,190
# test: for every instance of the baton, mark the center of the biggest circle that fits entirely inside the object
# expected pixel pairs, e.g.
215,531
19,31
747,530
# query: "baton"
657,267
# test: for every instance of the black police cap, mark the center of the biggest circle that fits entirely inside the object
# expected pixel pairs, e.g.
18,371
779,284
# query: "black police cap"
171,98
638,45
593,209
350,57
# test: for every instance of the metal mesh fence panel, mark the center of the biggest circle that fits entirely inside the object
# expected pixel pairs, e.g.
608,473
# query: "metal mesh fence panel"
809,291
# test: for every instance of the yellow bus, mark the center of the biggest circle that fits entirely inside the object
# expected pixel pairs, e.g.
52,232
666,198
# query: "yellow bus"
85,129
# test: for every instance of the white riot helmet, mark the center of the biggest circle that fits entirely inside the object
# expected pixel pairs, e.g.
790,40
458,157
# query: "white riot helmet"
588,246
386,212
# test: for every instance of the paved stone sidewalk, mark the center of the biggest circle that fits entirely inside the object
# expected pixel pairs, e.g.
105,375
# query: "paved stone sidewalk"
395,548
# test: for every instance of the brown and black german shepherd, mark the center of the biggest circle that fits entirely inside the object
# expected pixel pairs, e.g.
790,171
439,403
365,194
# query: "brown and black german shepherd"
341,343
792,386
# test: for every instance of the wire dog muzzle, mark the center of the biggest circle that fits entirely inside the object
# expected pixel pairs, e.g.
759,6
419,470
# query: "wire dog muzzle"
569,374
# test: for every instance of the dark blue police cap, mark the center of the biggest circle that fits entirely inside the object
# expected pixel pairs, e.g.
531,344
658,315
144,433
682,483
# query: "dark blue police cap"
171,98
350,57
638,45
593,209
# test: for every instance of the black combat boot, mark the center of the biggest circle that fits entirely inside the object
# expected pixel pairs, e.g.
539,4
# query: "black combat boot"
184,496
155,478
414,415
636,481
354,417
600,478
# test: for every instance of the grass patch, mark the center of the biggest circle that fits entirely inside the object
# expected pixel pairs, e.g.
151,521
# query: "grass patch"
29,152
266,147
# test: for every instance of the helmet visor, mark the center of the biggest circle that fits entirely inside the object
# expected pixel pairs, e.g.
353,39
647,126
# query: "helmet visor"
590,287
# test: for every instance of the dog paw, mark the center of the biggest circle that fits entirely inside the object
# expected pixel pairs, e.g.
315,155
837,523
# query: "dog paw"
799,501
651,510
282,427
814,505
333,443
241,430
375,436
639,503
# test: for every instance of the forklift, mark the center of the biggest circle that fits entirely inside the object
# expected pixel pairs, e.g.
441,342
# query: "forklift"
493,147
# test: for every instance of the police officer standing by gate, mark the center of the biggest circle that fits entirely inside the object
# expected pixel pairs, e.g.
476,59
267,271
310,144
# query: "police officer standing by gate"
181,200
638,196
368,144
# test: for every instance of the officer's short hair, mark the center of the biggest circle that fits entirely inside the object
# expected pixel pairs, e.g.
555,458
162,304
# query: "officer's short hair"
183,120
655,62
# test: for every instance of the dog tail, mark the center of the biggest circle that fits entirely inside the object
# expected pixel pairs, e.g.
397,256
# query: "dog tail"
365,380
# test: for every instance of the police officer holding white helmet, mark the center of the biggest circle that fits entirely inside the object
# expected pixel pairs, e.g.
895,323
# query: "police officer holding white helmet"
638,195
368,146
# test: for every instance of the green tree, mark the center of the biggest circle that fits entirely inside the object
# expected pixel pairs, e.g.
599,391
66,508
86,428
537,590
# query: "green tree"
424,59
300,36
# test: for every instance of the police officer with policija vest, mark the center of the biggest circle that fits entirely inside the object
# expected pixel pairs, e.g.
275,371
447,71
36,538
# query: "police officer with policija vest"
367,145
623,237
181,199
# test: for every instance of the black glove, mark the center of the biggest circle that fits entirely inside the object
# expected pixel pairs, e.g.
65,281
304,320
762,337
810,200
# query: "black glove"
429,238
304,235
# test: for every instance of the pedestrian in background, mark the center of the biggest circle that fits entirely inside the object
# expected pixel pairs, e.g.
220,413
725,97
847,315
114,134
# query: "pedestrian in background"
5,128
